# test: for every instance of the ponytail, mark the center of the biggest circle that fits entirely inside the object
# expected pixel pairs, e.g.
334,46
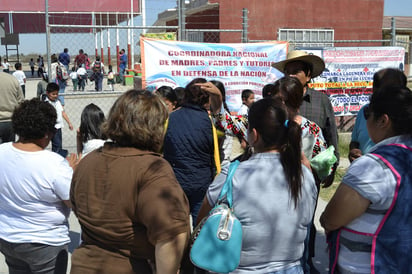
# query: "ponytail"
290,157
278,131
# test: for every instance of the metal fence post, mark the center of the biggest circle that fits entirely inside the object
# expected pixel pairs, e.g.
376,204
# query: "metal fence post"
244,25
393,31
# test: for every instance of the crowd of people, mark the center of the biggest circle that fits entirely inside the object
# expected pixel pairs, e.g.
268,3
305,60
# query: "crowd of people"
148,172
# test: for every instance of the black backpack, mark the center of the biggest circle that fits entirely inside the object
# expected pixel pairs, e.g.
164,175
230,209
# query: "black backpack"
97,66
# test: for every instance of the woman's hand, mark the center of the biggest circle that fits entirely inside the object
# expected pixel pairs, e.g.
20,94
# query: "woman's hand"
215,96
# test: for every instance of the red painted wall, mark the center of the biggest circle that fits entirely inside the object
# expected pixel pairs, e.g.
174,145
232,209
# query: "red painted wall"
351,19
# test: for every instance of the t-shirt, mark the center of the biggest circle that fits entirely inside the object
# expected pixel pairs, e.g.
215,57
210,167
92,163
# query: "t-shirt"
20,76
126,200
33,186
360,133
244,110
274,230
374,181
59,110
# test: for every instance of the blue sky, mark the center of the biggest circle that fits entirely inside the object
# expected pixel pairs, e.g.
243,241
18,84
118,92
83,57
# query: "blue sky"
30,43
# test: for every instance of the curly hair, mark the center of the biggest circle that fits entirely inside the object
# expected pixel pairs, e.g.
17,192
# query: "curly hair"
137,119
33,119
194,94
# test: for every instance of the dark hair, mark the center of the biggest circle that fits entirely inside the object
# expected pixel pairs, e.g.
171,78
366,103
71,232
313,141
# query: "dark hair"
305,66
91,119
17,65
52,87
270,119
137,119
33,119
167,93
180,96
396,102
222,89
66,50
290,91
97,58
53,58
389,77
268,90
194,94
246,93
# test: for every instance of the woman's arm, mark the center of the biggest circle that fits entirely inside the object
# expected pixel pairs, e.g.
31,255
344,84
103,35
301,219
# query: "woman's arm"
345,206
169,254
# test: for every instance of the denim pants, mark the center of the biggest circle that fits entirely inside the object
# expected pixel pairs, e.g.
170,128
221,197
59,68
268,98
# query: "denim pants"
31,258
57,143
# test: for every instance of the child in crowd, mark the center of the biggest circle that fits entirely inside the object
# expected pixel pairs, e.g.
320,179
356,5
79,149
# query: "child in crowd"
248,97
52,92
21,77
110,78
89,134
73,76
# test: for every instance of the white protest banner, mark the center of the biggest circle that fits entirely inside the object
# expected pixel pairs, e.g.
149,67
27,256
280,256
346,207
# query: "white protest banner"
237,66
348,76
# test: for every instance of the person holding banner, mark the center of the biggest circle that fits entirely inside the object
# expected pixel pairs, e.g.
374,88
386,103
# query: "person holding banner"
189,141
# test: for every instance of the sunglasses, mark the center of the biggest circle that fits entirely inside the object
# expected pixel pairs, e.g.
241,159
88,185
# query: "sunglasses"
366,112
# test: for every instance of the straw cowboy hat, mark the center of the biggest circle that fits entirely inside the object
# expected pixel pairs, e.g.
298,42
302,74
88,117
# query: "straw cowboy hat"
315,61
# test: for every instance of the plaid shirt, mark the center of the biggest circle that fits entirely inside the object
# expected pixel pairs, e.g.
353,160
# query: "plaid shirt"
316,107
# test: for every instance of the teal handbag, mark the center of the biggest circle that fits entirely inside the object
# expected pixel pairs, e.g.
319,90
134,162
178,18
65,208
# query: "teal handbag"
217,240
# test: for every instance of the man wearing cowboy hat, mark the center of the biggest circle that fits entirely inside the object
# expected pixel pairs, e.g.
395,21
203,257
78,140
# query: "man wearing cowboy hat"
316,107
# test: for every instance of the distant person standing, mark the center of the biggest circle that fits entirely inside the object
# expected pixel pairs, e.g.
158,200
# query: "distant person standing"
75,78
80,59
10,96
98,71
58,75
122,65
64,58
40,66
5,65
21,77
31,64
82,76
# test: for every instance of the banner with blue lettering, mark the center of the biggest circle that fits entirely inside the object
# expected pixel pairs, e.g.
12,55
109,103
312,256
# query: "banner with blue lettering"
237,66
348,76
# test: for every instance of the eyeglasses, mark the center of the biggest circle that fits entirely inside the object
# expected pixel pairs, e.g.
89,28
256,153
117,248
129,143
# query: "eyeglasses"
366,112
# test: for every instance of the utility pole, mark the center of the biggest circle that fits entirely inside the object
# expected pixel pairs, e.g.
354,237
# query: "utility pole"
393,31
181,18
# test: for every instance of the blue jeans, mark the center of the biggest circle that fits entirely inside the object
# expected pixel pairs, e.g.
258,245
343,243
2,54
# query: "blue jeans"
98,81
31,258
57,143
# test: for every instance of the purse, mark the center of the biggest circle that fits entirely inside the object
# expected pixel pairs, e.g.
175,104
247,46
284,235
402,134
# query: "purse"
217,239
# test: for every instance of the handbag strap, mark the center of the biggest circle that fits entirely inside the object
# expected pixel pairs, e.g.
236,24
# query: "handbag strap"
216,152
227,187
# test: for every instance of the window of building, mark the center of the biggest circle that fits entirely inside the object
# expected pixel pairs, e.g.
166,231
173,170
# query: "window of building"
308,37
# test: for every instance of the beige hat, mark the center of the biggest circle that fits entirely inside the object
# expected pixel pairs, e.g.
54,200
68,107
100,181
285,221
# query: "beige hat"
299,55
